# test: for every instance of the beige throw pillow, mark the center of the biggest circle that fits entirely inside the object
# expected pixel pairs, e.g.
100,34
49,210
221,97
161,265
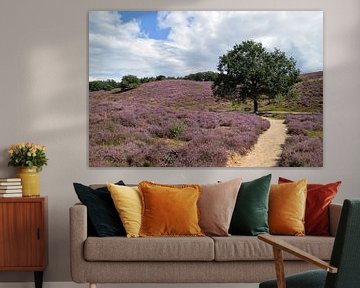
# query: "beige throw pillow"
216,206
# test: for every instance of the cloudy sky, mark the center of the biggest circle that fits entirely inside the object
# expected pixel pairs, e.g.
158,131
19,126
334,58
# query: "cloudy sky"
177,43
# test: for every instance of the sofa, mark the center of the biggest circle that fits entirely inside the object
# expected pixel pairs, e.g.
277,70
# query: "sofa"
233,259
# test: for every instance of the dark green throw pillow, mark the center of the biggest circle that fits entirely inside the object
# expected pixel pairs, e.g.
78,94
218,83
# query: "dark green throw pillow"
103,218
250,216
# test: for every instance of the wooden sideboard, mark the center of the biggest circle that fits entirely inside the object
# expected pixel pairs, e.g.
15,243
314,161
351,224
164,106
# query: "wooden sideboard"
23,235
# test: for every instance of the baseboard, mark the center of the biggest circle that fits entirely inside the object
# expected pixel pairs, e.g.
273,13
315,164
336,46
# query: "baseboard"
74,285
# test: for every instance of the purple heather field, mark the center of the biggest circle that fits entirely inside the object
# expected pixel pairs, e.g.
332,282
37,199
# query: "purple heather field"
304,146
178,123
169,123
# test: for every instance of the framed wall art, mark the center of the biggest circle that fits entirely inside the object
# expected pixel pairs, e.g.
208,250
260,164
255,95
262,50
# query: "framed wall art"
206,88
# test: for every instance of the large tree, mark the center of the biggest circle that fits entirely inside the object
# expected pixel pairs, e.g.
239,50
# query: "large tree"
249,71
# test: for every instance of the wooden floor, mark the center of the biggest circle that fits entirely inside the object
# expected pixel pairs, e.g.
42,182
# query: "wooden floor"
74,285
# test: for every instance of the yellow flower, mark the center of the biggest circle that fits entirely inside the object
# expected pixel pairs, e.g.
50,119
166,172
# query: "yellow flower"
42,147
27,152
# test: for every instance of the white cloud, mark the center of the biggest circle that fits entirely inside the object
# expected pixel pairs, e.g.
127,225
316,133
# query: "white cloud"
197,39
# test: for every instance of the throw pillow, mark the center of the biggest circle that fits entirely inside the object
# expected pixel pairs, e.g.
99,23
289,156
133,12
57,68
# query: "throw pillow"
216,206
250,215
287,208
102,215
319,197
169,210
127,201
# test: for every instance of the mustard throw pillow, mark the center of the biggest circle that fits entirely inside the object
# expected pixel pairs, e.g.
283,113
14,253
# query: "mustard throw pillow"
169,210
127,201
287,204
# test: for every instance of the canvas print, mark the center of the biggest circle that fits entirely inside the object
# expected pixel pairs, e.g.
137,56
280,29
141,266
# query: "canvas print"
206,88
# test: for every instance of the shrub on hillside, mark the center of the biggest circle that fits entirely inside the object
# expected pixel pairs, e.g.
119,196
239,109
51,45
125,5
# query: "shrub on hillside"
160,77
129,82
202,76
99,85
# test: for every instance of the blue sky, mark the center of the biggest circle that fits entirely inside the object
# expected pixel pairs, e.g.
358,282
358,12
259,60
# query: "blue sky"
148,23
177,43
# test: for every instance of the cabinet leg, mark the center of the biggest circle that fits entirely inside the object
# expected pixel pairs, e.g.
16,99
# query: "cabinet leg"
38,279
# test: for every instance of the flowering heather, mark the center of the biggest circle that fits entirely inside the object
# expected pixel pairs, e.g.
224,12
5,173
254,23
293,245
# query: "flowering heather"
169,123
300,124
304,146
311,91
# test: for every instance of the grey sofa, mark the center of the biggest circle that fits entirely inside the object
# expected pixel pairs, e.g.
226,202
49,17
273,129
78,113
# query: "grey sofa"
234,259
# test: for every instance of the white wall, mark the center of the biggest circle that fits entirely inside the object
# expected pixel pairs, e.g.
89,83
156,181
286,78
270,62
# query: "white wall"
43,90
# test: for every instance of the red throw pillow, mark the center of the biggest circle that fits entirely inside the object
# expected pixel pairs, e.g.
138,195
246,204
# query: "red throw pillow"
319,197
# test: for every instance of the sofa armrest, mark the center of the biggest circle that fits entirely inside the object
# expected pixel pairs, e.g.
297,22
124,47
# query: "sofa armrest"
78,235
334,216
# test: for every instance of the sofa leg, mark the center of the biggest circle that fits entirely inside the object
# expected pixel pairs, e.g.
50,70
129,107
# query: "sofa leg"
92,285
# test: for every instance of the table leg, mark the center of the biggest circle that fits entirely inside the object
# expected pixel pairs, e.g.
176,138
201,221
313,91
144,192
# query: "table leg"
38,279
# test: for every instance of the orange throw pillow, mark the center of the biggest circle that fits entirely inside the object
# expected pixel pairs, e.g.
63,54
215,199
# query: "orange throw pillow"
287,204
318,200
169,210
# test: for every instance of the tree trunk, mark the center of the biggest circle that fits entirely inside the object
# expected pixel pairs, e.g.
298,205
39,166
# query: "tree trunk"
255,106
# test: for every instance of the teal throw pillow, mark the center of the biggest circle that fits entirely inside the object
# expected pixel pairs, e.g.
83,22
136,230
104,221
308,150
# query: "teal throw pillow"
250,216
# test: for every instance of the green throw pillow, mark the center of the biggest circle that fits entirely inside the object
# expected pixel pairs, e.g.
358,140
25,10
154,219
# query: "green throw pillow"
250,216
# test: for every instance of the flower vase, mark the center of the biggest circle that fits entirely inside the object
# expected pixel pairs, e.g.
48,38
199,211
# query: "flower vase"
30,181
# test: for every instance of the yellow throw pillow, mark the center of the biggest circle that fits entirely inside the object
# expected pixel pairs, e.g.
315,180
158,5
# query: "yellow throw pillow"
127,201
287,204
169,210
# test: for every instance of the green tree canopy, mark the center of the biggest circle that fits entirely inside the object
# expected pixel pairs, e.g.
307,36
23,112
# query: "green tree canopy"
202,76
160,77
129,82
249,71
107,85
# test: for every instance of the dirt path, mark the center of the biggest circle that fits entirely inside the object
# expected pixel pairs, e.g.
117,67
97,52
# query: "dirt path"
266,151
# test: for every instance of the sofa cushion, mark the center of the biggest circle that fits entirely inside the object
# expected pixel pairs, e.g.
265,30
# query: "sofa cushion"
102,216
127,201
149,249
244,248
169,210
318,199
216,206
287,204
250,215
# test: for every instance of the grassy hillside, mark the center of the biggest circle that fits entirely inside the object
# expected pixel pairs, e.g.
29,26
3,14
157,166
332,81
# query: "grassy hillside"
179,123
179,94
167,123
307,96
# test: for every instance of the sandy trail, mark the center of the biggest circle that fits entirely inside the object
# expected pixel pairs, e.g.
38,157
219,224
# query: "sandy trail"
267,149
